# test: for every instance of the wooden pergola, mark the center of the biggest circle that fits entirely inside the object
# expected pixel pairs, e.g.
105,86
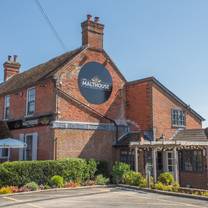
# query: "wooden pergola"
164,145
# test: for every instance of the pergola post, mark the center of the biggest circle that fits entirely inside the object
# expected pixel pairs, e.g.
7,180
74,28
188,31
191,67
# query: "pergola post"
154,164
8,156
136,165
176,172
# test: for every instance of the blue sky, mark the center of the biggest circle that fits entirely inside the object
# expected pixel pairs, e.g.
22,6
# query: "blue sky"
162,38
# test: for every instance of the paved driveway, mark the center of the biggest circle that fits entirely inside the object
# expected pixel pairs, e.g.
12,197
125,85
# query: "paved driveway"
99,198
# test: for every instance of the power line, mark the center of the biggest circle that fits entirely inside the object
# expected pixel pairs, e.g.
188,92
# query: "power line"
51,25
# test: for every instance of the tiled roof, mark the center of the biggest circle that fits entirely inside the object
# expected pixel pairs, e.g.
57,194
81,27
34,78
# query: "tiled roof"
4,130
40,72
191,135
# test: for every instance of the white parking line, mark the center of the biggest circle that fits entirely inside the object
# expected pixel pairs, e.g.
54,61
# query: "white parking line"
168,201
17,200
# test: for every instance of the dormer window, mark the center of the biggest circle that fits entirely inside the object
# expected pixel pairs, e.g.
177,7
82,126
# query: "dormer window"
6,107
30,109
178,118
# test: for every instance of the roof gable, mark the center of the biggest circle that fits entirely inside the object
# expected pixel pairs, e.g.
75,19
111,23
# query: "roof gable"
168,92
37,73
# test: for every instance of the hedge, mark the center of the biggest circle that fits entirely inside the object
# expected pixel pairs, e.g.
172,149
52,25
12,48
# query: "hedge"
21,172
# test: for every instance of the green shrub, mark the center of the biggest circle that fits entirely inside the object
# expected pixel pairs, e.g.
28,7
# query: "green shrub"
101,180
166,178
143,182
46,187
91,169
19,173
57,181
32,186
160,186
7,177
205,193
5,190
118,170
175,187
134,178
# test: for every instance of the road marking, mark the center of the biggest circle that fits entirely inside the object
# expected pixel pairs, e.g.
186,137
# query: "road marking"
165,200
12,199
17,200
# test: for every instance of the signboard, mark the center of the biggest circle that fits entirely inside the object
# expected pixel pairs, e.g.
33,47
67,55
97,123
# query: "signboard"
95,83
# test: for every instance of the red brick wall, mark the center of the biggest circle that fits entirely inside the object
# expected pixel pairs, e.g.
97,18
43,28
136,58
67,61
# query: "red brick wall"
195,180
45,101
84,144
45,141
92,34
112,108
138,107
87,143
162,105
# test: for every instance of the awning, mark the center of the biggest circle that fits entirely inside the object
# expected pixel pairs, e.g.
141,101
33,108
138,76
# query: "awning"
12,143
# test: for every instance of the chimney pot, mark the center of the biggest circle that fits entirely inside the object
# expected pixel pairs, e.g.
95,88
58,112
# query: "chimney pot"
96,19
89,17
92,32
15,58
11,67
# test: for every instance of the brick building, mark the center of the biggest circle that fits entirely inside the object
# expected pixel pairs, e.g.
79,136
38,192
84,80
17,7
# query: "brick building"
79,105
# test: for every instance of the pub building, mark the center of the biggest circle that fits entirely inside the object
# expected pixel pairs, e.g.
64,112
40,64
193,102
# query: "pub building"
80,105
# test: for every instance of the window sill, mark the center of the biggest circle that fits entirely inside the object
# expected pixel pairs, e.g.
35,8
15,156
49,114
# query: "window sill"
29,116
176,126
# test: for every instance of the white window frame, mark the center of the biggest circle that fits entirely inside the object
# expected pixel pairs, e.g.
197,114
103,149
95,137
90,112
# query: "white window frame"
22,152
177,124
5,106
27,100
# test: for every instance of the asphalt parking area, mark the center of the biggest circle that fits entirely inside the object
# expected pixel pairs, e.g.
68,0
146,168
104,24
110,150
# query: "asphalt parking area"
99,198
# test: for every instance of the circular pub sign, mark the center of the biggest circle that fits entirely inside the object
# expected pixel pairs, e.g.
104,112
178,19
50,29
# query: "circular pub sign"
95,83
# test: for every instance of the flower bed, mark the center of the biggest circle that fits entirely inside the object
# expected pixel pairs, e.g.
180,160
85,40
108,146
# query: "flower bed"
122,174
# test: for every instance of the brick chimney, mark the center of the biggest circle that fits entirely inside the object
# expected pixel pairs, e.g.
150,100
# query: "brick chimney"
11,67
92,32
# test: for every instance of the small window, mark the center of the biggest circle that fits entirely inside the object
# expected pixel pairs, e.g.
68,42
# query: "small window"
30,101
6,107
178,118
4,153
